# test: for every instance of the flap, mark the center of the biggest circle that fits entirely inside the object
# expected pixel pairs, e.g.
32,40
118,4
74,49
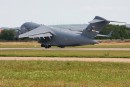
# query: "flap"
40,35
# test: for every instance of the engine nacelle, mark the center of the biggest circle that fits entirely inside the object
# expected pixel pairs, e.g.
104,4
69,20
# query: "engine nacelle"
27,27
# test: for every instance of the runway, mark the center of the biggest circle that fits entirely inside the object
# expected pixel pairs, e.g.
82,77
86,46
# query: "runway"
122,49
123,60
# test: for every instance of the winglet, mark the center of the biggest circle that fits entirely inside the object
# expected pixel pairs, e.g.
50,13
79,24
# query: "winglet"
109,35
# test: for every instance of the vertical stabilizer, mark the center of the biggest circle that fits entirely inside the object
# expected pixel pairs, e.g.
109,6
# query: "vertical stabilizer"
95,26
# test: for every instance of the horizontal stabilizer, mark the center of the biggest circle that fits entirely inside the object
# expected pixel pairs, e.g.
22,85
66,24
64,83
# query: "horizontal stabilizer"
96,20
109,35
117,21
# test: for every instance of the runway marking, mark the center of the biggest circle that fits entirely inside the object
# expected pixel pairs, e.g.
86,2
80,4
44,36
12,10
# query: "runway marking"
125,60
123,49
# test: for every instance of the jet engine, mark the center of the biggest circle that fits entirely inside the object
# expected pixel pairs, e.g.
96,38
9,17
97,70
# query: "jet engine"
28,26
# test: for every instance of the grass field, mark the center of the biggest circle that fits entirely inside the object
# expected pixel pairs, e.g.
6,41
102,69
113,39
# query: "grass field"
34,44
30,44
63,74
65,53
107,45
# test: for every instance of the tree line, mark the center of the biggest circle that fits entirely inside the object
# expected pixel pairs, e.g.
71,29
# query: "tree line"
119,32
8,35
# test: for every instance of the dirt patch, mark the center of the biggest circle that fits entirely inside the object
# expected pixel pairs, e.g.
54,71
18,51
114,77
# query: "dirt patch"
125,60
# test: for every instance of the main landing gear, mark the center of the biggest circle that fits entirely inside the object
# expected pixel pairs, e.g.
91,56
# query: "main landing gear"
61,46
49,46
46,46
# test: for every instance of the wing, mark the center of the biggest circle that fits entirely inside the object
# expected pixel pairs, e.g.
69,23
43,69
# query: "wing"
41,31
78,27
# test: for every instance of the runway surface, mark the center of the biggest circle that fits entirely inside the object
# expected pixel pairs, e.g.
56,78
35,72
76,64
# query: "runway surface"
123,49
124,60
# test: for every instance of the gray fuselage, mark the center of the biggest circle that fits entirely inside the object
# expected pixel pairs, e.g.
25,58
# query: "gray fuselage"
65,37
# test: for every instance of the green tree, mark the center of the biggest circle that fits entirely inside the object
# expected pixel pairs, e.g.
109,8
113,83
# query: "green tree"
7,34
119,32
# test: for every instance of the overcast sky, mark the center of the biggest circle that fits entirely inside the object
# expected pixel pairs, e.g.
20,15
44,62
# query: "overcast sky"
13,13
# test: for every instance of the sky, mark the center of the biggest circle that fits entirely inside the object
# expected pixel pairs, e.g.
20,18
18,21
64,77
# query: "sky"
13,13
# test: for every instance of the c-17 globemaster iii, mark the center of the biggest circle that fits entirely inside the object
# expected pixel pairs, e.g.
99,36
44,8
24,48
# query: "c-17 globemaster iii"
49,36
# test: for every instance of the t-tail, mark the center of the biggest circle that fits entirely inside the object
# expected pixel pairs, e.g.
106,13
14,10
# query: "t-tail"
95,26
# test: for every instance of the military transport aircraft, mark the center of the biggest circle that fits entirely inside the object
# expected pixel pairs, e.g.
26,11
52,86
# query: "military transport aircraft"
50,36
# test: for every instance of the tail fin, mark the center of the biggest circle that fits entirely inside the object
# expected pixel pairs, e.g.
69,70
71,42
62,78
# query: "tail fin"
95,27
